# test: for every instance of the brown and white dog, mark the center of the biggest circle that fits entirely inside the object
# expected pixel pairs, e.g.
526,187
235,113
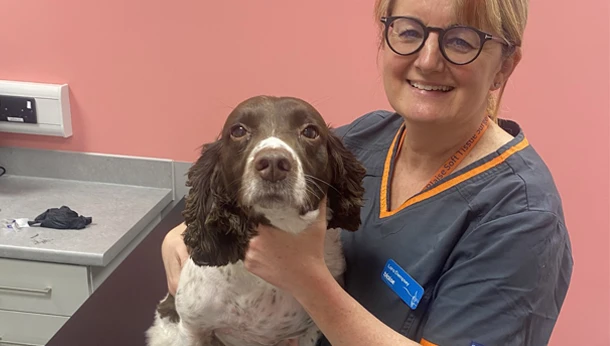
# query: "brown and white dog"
273,163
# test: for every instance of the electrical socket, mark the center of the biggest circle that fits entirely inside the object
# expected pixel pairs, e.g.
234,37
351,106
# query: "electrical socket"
18,109
48,113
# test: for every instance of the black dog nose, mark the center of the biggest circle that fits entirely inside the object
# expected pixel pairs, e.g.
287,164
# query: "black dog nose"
273,165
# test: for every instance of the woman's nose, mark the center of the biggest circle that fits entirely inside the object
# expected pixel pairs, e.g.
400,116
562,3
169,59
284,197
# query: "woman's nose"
429,58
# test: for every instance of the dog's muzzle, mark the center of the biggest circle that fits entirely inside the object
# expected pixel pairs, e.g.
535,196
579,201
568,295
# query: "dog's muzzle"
273,165
273,176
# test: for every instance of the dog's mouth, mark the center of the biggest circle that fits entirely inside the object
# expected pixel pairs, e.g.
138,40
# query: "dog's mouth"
272,195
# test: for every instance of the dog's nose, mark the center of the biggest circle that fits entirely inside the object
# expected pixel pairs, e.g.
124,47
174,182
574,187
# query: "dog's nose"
273,165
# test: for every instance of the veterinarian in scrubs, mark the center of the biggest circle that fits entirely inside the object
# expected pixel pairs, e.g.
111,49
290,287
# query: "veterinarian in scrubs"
463,240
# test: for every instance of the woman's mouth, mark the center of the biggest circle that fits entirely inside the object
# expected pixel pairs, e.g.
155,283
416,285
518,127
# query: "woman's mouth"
427,87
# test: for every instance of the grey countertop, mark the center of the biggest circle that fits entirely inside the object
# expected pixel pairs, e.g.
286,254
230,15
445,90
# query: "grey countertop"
119,213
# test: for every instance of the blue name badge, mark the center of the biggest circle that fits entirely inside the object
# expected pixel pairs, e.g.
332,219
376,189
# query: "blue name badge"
402,284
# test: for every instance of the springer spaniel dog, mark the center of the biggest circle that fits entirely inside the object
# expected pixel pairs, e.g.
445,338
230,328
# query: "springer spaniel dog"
273,163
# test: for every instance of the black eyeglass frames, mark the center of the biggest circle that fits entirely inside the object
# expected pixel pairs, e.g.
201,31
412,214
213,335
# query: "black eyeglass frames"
460,45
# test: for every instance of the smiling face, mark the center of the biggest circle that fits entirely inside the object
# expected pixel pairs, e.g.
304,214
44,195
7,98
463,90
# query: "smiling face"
276,153
425,87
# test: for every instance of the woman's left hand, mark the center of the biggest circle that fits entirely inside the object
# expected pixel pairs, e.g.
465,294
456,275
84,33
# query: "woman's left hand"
288,261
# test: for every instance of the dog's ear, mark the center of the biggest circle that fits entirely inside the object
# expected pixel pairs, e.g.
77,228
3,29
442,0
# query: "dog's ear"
345,197
217,230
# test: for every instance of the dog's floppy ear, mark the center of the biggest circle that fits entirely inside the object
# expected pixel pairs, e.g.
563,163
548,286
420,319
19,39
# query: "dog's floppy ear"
217,230
345,197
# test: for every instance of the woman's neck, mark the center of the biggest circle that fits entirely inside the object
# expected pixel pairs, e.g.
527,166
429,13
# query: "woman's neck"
427,146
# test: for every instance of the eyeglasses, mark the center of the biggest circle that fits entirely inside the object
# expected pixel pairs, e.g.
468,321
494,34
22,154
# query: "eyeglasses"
460,45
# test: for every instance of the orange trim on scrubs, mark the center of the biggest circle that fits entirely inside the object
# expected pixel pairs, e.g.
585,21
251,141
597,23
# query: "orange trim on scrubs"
425,342
398,138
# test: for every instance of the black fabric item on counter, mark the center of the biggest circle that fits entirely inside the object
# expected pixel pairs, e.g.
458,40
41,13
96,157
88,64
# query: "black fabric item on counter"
2,171
61,218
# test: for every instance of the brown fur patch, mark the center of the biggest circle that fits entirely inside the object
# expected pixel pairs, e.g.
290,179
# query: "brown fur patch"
167,308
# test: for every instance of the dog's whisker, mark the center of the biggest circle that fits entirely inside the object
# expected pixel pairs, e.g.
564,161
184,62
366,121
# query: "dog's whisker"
316,178
236,182
311,190
307,176
319,188
308,198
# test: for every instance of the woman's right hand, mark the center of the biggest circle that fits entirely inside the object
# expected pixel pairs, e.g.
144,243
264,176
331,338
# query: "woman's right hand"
174,253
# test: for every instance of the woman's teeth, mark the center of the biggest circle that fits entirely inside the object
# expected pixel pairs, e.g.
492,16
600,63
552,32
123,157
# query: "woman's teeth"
430,87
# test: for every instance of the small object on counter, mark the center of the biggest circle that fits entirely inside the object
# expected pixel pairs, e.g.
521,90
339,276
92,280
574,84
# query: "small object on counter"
61,218
20,223
14,224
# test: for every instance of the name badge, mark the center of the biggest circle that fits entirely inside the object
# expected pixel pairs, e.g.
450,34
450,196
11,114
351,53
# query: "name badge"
402,284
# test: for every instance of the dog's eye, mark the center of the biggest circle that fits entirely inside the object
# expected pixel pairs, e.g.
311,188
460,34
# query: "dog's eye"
310,132
238,131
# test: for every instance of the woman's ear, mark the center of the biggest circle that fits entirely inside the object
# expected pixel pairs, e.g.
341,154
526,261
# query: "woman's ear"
345,196
509,63
217,230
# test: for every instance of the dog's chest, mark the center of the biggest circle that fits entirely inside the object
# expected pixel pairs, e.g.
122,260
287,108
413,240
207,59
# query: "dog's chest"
241,308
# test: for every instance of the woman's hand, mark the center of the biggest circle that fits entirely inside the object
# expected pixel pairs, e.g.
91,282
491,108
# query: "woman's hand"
289,261
174,253
295,263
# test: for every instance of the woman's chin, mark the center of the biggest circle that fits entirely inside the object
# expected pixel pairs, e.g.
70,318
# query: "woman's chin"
424,115
425,110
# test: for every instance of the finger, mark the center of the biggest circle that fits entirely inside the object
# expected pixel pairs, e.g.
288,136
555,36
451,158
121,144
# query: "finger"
262,231
254,244
322,211
267,232
249,262
264,228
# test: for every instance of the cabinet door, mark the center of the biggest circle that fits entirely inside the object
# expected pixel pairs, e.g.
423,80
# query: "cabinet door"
49,288
24,329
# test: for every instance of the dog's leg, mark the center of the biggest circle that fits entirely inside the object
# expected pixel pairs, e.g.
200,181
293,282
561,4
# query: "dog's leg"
164,330
169,329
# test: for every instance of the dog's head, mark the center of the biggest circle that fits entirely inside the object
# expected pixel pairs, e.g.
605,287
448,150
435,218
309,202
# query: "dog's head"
274,154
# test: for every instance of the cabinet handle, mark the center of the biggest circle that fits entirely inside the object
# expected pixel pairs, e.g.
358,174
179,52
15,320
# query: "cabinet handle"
14,343
43,291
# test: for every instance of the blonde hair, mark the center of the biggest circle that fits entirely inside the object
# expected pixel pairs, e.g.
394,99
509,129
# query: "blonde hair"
506,18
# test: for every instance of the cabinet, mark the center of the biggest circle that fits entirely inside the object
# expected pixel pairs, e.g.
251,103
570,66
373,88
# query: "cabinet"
28,329
37,298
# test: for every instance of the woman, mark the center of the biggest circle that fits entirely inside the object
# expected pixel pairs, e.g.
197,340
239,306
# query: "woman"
479,245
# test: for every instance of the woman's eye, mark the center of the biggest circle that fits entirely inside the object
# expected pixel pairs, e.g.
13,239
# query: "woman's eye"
458,43
410,34
310,132
238,131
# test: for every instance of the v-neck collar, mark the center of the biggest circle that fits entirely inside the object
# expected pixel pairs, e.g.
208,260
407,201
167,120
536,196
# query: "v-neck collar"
518,143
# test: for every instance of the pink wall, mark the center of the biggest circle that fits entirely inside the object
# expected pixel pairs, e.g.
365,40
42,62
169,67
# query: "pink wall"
178,70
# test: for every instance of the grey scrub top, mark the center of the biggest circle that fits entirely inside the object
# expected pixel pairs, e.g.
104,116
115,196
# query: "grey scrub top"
488,244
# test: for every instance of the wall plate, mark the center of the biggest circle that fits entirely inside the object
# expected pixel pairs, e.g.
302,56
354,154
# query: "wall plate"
50,108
